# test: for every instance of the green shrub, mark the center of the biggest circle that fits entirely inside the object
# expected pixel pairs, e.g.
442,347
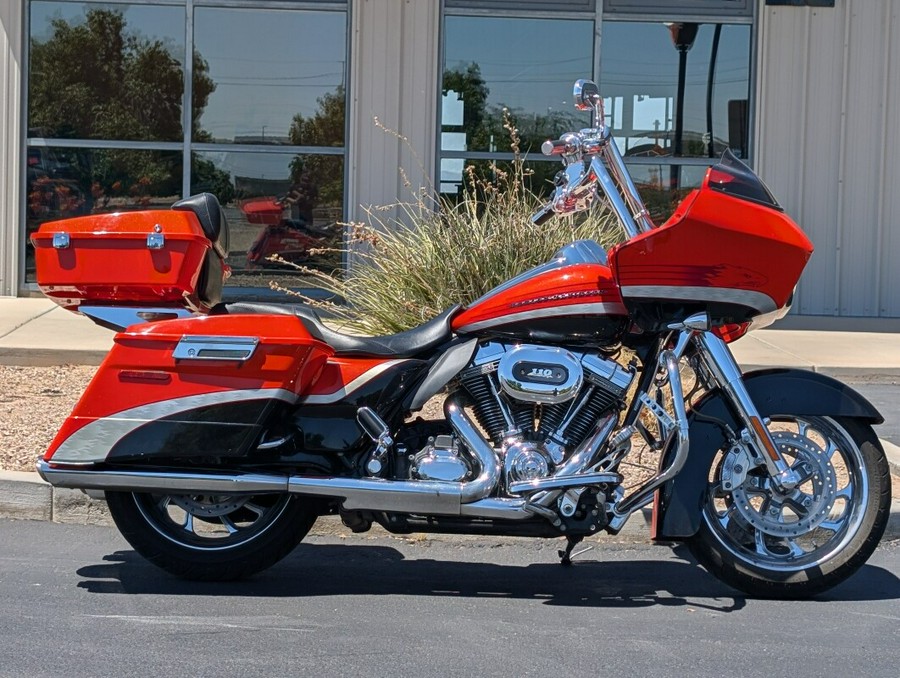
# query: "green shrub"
413,260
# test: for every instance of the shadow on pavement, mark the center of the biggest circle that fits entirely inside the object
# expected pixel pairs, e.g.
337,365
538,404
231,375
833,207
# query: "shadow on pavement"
372,570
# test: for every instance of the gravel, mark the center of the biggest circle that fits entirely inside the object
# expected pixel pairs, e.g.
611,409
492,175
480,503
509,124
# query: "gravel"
34,402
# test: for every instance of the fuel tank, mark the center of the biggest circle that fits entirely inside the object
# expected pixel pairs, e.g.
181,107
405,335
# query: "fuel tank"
558,302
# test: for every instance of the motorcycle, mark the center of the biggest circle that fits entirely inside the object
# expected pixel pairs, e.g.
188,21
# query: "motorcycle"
220,432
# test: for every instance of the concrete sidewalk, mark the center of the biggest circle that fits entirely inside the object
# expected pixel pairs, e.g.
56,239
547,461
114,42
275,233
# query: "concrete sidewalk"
38,332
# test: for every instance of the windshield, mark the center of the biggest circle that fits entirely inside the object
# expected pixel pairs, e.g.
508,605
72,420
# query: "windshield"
734,178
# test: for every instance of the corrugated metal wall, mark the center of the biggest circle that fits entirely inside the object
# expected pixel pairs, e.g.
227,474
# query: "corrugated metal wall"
394,78
10,84
828,145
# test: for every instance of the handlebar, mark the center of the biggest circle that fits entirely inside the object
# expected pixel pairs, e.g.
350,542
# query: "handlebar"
591,158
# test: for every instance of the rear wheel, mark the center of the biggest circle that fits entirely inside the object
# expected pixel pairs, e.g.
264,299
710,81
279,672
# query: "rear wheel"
798,543
211,537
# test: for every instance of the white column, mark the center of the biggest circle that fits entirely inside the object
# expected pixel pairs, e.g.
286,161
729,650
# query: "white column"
11,233
394,78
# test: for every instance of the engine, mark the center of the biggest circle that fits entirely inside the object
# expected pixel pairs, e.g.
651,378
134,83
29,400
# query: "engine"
536,404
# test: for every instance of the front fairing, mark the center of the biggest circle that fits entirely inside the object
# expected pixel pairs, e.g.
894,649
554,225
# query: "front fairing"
729,249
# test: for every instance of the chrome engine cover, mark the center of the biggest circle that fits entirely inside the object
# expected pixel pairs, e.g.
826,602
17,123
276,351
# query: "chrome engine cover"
440,460
525,460
540,374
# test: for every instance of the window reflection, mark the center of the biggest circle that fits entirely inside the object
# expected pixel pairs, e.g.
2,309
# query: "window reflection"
72,182
658,194
106,71
492,63
277,205
640,78
275,76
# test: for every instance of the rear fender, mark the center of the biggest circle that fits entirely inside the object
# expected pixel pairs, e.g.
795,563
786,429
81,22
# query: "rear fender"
679,502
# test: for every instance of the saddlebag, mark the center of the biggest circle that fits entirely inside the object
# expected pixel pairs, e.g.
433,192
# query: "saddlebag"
204,386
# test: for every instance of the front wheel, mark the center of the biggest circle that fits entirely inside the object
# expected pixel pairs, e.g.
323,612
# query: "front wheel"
795,544
211,537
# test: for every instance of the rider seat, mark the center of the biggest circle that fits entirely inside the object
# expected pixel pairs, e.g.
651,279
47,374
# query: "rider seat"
403,345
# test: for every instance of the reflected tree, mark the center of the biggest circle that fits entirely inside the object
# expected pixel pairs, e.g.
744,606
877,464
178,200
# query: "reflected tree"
319,178
96,79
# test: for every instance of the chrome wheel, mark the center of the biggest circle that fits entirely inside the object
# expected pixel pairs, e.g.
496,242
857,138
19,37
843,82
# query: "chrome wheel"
212,537
804,527
210,522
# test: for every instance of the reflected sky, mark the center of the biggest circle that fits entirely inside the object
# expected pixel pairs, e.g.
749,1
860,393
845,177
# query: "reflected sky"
268,65
528,64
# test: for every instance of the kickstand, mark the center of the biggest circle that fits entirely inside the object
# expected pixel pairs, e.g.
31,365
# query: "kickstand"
566,555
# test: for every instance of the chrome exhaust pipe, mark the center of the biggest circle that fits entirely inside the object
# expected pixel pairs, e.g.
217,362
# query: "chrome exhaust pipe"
160,481
373,494
417,496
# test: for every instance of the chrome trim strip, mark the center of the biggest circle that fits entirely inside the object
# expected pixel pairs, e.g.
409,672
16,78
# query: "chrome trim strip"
122,317
757,300
359,382
601,308
194,347
92,443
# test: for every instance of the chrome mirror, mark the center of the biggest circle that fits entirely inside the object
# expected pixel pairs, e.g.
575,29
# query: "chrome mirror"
587,98
586,95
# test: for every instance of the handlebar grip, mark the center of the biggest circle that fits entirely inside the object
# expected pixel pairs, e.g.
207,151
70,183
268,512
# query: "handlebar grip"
558,147
543,215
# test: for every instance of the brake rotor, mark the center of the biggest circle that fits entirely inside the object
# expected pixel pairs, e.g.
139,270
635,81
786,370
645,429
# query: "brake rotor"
789,514
203,506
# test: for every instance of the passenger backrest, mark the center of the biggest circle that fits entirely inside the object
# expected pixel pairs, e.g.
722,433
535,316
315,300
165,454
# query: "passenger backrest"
212,219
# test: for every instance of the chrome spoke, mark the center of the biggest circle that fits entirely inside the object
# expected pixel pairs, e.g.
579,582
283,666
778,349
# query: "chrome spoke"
760,544
796,551
830,449
188,524
258,510
845,492
229,524
833,525
725,518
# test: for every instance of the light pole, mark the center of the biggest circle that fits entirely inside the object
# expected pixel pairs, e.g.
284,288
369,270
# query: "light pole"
683,36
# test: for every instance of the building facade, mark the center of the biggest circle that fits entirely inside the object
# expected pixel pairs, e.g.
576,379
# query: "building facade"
300,114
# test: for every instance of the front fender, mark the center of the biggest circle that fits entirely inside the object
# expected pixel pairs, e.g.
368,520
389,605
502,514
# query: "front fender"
779,391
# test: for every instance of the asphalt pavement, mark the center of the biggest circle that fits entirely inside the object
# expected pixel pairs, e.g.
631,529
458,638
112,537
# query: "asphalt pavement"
399,607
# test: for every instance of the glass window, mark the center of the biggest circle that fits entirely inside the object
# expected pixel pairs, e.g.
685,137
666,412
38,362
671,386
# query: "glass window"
491,65
644,87
106,95
73,182
111,71
685,94
277,205
269,76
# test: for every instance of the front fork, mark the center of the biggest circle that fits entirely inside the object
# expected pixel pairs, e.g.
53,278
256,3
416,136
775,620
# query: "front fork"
725,372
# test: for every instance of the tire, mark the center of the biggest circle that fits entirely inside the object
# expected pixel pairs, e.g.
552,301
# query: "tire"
211,538
798,544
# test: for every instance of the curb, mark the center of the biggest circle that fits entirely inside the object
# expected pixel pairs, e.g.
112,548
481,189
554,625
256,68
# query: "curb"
26,496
